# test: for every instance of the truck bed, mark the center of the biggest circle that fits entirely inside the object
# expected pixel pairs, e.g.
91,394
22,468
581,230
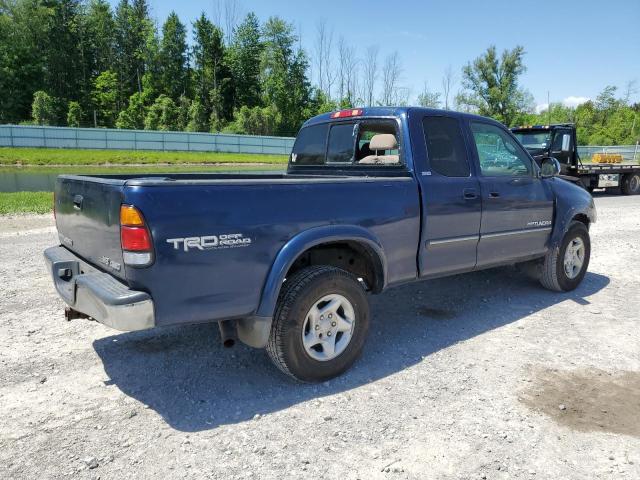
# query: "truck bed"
268,209
597,168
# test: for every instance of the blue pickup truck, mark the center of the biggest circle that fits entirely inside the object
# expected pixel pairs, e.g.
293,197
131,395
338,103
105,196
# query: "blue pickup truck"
372,198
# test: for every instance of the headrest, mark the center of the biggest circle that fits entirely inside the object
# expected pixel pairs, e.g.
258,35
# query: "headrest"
383,141
440,148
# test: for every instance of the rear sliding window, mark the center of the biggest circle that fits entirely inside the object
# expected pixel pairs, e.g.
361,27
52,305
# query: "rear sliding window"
363,143
341,141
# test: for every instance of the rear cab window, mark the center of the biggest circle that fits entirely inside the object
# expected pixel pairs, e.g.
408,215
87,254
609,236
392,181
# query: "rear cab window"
353,145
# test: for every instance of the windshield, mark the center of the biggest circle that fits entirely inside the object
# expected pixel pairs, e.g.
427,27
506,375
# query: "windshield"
534,140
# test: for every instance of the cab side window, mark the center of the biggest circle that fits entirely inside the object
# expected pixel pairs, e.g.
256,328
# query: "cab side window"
445,146
498,153
556,146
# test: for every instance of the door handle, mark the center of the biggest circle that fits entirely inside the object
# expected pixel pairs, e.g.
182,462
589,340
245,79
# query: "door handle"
469,193
521,181
77,202
494,194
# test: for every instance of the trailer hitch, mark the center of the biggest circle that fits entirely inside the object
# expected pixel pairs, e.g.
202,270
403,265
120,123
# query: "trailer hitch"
71,314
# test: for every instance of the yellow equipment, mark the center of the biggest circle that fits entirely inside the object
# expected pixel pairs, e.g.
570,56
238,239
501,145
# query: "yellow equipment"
606,158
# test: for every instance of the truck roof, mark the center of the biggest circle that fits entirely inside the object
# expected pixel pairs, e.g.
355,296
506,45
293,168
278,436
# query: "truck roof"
363,112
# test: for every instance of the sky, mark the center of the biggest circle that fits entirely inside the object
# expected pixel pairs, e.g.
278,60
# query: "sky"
574,48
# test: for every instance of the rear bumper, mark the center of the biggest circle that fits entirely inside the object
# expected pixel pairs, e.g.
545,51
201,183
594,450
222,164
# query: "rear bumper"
97,294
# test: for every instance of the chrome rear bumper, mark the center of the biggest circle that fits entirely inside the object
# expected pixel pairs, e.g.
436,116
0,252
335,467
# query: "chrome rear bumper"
97,294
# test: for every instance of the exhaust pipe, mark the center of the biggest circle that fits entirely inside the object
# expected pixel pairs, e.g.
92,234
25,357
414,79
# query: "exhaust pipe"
227,333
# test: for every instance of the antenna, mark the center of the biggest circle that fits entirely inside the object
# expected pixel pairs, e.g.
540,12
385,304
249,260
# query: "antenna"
548,109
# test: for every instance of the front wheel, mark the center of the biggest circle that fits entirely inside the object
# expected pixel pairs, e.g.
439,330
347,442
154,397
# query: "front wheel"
320,324
565,265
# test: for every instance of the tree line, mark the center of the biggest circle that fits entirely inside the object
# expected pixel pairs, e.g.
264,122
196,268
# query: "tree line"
82,63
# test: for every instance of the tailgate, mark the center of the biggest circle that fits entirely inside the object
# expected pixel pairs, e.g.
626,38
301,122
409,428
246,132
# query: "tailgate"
88,220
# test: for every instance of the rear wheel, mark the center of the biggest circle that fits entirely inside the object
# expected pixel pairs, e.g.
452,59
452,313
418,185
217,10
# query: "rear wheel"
630,184
565,266
320,324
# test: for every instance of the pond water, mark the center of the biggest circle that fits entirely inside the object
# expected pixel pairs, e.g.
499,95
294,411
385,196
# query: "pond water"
43,179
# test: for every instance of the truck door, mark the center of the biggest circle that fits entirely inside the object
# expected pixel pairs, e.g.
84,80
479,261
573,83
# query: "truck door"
517,206
451,198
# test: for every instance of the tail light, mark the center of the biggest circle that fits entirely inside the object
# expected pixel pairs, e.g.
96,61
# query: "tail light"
137,247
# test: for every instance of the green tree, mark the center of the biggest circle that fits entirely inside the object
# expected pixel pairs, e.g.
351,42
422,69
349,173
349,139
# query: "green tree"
23,31
65,69
284,80
133,117
255,121
173,57
321,103
105,98
134,34
492,87
43,108
212,79
74,114
244,61
198,119
217,120
162,115
183,106
429,99
606,100
99,37
607,120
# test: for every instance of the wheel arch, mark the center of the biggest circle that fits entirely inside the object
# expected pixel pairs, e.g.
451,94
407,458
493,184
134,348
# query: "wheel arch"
572,203
339,238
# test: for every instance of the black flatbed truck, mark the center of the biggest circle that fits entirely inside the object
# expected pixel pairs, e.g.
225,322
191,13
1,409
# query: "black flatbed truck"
560,141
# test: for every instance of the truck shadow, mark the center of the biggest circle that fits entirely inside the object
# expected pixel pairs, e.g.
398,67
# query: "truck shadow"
186,376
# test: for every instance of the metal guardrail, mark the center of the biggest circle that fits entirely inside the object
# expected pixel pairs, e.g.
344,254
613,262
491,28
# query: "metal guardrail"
630,153
114,139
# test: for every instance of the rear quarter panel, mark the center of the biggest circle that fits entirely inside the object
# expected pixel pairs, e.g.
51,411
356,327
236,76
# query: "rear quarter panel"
213,284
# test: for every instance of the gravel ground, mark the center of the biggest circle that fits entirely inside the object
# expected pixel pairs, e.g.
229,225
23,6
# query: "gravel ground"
484,375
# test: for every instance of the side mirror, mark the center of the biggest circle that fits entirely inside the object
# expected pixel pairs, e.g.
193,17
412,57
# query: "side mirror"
550,167
566,142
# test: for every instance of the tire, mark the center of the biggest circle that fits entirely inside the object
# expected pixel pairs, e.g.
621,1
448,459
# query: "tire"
305,290
554,274
630,184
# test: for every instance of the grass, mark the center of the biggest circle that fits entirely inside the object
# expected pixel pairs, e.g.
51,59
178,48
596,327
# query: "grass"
59,156
25,202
